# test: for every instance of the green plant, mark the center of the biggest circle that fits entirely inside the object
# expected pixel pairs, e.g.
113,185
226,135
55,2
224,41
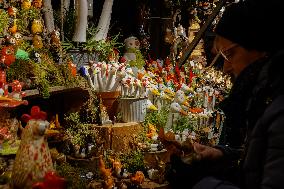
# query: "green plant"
89,110
157,118
25,17
182,123
69,24
133,161
79,133
103,48
72,176
4,20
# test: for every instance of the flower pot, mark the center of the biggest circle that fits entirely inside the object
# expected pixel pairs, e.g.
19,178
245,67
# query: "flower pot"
132,109
109,100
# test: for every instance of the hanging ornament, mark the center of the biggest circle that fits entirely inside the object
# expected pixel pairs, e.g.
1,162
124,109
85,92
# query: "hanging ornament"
37,4
37,27
26,4
37,42
8,55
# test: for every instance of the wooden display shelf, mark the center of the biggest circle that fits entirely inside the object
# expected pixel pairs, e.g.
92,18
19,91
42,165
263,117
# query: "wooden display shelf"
147,184
52,90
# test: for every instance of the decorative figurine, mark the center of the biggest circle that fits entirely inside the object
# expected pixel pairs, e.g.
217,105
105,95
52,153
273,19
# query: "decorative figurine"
26,4
12,11
133,55
37,42
37,26
37,4
33,160
7,55
106,173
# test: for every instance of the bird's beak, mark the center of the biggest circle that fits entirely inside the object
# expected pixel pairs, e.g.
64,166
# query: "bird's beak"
155,92
183,112
152,107
170,92
185,103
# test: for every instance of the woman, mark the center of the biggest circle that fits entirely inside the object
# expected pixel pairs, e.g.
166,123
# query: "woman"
255,106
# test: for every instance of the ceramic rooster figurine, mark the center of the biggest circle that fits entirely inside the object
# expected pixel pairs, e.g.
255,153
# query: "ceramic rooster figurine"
33,159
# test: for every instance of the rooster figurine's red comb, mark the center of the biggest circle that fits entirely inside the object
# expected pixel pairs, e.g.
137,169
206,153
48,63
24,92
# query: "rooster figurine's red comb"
36,113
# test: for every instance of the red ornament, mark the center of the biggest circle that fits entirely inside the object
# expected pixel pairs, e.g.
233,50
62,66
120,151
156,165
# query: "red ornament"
51,181
8,55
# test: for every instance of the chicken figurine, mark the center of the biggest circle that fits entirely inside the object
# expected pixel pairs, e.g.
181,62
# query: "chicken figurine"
106,173
138,178
37,26
33,160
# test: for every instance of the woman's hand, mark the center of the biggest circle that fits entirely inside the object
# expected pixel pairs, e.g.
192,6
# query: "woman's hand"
206,152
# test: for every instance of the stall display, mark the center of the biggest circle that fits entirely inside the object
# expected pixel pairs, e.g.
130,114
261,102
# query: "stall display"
95,117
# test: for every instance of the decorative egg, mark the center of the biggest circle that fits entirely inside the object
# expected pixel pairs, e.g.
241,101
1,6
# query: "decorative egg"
8,55
18,37
12,11
37,27
55,39
37,42
26,4
14,28
37,4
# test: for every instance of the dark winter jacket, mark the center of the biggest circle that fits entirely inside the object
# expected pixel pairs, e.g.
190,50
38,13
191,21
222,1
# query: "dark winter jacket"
263,166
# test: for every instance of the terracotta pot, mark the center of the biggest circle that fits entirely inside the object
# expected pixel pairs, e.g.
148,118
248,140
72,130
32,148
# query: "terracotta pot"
110,101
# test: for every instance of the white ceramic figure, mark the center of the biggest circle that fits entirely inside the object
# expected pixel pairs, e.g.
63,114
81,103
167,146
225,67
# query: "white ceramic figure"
132,55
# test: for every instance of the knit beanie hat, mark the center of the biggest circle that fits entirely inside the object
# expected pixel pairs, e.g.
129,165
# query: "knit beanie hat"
253,24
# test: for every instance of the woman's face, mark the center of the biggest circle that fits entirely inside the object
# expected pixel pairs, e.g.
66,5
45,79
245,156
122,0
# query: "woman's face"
236,58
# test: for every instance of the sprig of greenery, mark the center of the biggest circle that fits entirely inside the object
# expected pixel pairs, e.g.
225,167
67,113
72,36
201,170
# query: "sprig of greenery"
72,176
133,161
4,20
78,132
182,123
103,48
157,118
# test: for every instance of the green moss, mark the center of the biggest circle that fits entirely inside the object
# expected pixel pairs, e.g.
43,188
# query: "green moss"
133,161
157,118
4,20
25,18
72,176
79,133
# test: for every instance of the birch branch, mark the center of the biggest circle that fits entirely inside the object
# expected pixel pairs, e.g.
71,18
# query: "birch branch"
81,21
48,16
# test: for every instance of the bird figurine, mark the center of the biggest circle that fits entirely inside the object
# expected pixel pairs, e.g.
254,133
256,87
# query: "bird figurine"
55,39
176,108
106,174
33,160
8,55
37,42
37,4
18,37
12,11
26,4
37,27
13,27
151,106
138,178
36,57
